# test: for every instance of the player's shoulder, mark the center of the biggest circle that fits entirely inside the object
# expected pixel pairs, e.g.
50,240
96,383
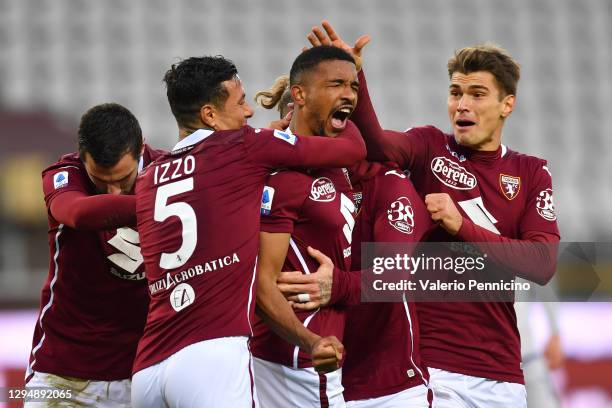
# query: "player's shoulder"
68,163
525,162
264,134
290,178
66,174
428,131
67,160
391,180
150,154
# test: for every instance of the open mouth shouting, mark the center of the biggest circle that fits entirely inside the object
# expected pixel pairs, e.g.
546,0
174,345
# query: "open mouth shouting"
340,116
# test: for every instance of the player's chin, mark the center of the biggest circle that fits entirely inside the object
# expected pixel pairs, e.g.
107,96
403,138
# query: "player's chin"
464,136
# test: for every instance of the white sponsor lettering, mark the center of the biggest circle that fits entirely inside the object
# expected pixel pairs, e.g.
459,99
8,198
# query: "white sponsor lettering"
452,175
171,280
322,190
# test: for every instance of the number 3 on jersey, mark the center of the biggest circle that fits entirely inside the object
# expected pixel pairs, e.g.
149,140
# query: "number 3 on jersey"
182,210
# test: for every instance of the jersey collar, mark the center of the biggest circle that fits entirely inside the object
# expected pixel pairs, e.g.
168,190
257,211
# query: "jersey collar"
193,138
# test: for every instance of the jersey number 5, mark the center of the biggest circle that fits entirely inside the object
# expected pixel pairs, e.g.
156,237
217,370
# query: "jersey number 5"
185,213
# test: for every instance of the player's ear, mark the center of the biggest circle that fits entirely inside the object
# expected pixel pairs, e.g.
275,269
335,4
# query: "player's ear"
208,116
507,106
298,95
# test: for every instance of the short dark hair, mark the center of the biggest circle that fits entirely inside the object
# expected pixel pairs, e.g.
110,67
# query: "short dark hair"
196,81
490,58
312,57
107,132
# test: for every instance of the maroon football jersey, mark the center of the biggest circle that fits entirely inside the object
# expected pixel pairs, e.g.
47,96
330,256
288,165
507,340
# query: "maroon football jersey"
198,217
316,208
382,339
94,302
505,192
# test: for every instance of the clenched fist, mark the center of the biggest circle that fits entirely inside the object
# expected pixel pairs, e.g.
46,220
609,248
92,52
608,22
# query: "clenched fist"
326,354
443,211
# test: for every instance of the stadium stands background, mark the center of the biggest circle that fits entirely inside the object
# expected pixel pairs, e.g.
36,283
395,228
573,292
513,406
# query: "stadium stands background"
59,57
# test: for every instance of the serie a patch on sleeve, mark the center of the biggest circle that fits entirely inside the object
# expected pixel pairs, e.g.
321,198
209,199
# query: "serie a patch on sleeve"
60,179
266,200
287,137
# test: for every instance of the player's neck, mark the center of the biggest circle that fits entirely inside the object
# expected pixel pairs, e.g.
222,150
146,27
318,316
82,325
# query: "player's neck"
299,126
185,131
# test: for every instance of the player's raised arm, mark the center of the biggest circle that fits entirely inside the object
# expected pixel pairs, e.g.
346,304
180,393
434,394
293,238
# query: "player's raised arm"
276,311
382,145
274,148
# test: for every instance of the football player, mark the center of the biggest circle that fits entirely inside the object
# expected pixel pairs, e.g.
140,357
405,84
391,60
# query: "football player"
198,214
94,302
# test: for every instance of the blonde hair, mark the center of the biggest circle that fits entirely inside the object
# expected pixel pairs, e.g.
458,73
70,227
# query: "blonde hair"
278,95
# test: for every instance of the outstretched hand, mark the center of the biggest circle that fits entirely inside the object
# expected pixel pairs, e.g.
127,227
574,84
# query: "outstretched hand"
317,37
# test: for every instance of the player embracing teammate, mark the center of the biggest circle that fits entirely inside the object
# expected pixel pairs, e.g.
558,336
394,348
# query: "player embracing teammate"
500,196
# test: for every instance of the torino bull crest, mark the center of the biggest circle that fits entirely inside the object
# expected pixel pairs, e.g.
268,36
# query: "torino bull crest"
510,186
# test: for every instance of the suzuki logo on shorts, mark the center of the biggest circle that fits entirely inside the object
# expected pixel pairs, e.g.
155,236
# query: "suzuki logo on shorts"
401,215
322,190
182,296
452,175
545,205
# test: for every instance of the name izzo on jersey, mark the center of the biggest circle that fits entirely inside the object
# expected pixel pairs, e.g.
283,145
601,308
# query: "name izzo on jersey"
174,169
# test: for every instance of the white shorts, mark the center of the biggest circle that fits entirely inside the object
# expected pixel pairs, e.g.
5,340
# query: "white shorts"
286,387
213,373
415,397
79,392
453,390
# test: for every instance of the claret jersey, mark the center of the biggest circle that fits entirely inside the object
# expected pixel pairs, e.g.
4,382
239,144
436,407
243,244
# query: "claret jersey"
316,208
198,217
382,339
94,302
502,195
